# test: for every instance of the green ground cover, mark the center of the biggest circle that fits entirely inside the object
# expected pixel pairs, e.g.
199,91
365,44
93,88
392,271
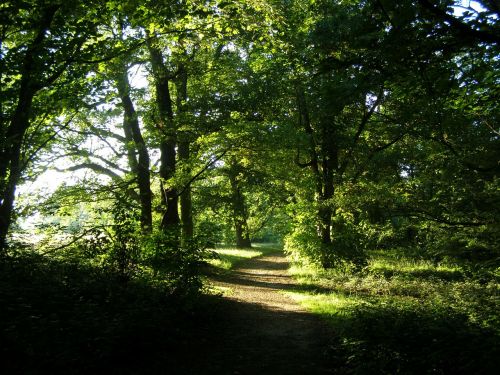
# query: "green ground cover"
402,314
228,257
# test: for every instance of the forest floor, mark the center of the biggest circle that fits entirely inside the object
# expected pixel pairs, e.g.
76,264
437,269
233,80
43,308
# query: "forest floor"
62,319
400,315
256,328
266,332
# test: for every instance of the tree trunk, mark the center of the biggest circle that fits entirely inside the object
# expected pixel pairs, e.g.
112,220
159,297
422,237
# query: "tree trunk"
323,177
185,198
140,165
184,154
11,170
11,142
239,210
242,236
170,220
329,165
323,162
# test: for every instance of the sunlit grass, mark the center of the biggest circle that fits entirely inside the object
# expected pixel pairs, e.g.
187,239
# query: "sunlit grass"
329,305
222,290
403,313
389,266
228,257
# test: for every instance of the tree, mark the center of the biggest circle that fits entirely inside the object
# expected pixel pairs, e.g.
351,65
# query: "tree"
44,50
135,145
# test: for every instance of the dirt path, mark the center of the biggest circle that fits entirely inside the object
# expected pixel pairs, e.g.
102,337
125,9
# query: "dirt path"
266,332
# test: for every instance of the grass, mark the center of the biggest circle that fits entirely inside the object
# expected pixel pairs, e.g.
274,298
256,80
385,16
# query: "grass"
229,257
406,315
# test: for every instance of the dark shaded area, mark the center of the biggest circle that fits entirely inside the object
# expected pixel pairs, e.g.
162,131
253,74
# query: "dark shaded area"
63,318
59,317
251,339
412,340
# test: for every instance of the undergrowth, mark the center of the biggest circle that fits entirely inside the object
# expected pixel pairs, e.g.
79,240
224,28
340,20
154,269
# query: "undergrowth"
402,314
65,316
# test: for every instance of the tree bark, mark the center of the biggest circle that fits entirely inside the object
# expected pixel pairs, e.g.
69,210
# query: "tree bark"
184,154
170,220
329,169
321,169
140,165
240,214
11,142
11,170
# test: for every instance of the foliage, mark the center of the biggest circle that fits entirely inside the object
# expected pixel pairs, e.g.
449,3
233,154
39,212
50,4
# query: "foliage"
346,250
62,316
179,266
406,315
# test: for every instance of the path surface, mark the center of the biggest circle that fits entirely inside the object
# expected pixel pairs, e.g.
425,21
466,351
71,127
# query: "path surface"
264,331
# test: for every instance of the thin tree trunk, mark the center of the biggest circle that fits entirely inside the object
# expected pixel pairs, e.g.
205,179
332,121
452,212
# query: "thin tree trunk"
12,170
240,214
324,170
10,151
184,154
185,198
323,177
329,167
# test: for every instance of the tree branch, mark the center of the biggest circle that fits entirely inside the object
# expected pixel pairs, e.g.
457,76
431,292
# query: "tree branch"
361,127
376,151
428,216
95,167
195,177
463,28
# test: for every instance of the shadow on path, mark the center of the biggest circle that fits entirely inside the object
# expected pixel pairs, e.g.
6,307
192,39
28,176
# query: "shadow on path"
262,331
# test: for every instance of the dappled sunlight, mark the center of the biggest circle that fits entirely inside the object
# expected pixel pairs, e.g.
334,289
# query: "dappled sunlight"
259,281
329,305
415,268
405,315
228,257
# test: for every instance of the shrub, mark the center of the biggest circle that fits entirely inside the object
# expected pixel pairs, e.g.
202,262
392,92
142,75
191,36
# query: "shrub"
347,250
180,265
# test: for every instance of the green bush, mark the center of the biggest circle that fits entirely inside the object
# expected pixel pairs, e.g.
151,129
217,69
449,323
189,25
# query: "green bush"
211,232
417,339
180,264
347,250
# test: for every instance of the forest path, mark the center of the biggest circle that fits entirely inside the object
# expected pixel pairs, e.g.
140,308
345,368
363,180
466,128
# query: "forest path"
265,331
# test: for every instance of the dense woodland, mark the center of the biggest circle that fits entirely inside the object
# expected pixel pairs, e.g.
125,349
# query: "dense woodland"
342,130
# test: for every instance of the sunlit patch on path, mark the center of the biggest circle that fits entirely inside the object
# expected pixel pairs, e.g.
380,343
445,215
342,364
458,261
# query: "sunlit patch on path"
266,331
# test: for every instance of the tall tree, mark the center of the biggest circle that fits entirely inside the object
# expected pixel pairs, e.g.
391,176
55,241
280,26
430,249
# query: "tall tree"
44,50
135,145
162,77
